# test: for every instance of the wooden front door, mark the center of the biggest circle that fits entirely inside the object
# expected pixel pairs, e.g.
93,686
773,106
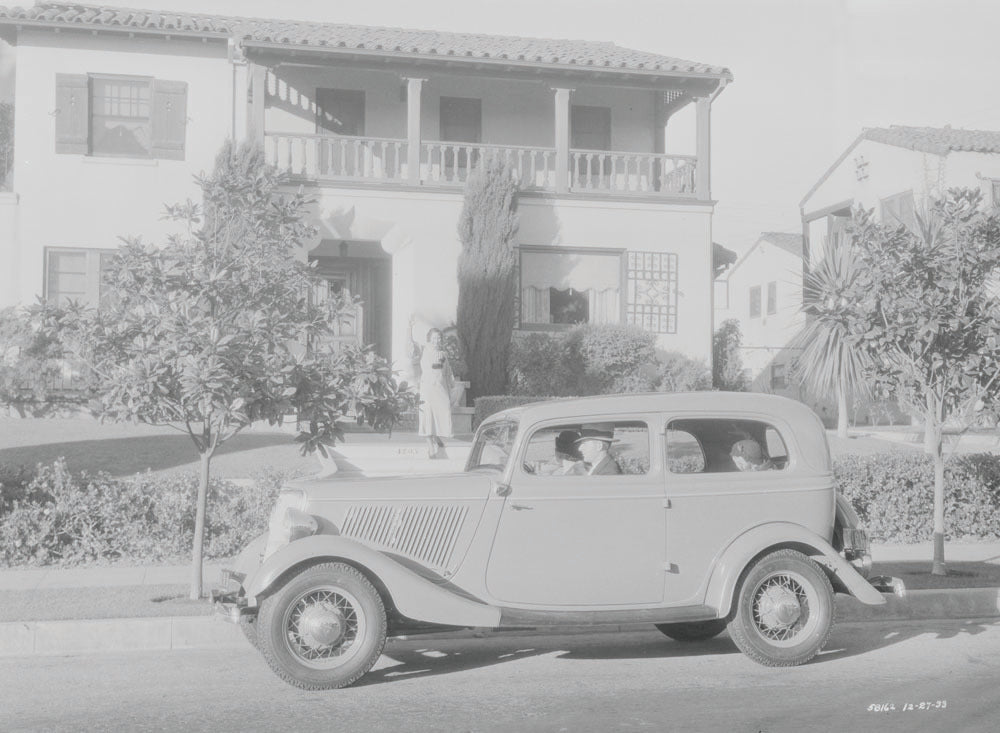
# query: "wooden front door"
369,280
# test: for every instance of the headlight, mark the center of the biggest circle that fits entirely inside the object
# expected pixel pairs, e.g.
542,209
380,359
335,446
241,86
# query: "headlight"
288,521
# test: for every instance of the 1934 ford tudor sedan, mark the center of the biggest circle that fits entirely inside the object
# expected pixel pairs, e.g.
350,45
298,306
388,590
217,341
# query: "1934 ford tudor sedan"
675,535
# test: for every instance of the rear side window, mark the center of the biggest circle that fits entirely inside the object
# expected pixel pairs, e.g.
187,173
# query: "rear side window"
717,445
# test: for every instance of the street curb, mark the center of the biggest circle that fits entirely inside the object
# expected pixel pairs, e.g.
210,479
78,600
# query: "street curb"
27,638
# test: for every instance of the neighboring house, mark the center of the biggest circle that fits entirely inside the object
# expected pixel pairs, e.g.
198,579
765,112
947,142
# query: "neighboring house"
763,291
116,109
894,170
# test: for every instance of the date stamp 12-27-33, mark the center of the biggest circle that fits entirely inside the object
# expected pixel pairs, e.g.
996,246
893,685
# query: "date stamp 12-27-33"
906,707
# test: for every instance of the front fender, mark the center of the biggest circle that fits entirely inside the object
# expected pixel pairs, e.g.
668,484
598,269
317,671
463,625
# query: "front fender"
413,596
739,554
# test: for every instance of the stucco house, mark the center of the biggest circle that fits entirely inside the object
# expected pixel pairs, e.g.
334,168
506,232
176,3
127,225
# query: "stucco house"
763,291
894,170
116,109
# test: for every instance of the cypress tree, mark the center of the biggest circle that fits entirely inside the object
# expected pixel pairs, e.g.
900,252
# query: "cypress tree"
487,274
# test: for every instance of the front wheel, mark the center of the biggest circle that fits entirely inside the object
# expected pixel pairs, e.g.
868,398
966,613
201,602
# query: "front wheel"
784,610
324,628
693,630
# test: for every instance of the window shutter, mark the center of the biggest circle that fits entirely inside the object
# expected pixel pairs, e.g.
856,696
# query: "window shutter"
72,113
169,123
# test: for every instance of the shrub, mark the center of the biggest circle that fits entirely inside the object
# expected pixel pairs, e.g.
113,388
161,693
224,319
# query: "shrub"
613,357
679,373
893,494
727,365
540,363
65,518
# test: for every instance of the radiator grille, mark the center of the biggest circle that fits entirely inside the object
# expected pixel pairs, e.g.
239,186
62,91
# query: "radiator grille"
425,532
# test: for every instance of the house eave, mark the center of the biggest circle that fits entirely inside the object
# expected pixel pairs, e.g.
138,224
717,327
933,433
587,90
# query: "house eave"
100,29
479,62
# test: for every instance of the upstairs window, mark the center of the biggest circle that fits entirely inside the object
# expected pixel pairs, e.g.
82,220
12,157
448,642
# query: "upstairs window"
340,112
120,116
772,298
461,119
755,301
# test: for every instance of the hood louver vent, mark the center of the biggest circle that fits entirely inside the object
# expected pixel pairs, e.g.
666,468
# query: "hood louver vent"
427,533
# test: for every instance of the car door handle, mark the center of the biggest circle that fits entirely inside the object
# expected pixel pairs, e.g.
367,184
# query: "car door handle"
520,507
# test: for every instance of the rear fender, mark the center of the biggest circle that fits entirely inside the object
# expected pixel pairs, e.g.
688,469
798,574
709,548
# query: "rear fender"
413,596
738,556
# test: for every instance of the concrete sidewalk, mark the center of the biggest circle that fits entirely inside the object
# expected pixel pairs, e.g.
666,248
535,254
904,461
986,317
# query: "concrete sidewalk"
202,632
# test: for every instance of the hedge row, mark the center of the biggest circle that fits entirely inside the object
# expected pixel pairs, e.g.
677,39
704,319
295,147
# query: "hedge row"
486,406
52,516
893,494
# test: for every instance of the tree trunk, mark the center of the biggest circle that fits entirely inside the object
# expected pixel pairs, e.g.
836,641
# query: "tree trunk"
841,408
199,526
933,428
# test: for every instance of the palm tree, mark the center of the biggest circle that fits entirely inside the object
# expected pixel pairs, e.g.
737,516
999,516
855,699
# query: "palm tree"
832,358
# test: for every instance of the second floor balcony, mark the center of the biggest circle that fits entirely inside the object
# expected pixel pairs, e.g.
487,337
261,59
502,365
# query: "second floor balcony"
322,157
361,124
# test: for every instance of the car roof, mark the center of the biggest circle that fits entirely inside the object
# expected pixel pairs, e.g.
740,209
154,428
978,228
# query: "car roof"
646,402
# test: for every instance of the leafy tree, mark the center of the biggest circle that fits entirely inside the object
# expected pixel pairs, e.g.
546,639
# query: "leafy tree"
487,274
833,357
216,330
31,363
727,364
927,313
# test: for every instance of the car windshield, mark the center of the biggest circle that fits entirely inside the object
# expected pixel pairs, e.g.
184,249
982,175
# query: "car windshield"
493,446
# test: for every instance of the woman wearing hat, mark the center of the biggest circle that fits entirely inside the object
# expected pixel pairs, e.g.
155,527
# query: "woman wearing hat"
594,442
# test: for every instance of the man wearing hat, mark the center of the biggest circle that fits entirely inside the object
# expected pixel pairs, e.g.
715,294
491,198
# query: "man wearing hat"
594,441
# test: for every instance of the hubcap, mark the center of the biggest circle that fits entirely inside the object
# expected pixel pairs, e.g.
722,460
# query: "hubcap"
781,608
324,627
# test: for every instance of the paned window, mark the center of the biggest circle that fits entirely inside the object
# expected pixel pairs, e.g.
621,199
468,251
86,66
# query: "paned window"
772,298
120,116
779,379
651,279
755,301
717,445
79,275
561,288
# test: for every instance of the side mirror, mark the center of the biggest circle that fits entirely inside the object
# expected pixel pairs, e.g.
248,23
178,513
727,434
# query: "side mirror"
502,489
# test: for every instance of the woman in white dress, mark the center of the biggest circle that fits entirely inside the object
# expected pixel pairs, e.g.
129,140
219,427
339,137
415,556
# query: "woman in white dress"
436,384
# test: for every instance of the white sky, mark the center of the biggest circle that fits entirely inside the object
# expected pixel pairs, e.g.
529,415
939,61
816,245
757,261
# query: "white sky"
809,74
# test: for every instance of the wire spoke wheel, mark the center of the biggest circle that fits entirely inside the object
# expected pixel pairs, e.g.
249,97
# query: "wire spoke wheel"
784,610
324,628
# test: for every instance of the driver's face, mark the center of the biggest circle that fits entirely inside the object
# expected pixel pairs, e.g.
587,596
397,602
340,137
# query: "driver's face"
591,450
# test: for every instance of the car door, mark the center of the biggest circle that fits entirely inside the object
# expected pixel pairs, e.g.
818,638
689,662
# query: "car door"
711,502
582,540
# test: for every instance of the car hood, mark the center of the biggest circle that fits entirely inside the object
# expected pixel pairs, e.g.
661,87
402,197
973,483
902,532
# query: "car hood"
423,487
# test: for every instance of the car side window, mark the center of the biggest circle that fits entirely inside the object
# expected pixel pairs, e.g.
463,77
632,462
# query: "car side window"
589,448
720,445
684,453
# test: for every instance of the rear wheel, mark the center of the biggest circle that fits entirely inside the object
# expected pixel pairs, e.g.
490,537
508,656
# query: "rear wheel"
324,628
694,630
784,610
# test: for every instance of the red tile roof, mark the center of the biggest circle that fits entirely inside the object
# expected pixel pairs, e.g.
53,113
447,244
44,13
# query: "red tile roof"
389,41
937,140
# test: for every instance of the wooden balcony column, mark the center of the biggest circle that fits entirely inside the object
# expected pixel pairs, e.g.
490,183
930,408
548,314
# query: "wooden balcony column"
562,122
255,102
703,124
414,89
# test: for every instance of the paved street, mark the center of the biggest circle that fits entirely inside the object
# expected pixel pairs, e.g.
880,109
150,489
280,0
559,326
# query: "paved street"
634,681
